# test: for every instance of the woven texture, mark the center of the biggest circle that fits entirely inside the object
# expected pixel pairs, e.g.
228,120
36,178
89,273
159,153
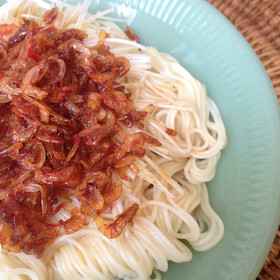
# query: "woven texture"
259,22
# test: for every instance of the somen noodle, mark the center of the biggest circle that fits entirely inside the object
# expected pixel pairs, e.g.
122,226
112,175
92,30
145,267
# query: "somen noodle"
168,182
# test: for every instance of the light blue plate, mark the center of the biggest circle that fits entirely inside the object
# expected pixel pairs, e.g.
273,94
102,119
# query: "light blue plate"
246,189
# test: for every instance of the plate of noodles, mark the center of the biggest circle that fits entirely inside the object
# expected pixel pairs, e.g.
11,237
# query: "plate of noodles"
139,140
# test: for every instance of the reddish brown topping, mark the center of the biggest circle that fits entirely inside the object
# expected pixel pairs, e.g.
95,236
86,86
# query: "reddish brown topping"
50,15
130,34
60,108
114,229
171,132
6,29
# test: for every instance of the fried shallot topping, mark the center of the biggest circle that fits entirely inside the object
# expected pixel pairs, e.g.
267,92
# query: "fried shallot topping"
61,109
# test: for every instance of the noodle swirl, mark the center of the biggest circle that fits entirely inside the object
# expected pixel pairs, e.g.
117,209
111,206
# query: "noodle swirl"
170,182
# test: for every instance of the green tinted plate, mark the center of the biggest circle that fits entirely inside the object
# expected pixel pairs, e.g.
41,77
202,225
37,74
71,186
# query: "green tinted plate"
246,189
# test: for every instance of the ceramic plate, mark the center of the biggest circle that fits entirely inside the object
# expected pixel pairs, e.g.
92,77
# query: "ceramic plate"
246,189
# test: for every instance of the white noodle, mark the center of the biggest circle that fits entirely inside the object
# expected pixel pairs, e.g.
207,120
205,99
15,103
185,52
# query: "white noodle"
170,185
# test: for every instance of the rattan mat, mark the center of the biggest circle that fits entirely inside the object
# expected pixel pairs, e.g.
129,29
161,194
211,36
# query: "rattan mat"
259,22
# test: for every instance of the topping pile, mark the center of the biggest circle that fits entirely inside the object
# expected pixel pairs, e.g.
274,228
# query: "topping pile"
62,110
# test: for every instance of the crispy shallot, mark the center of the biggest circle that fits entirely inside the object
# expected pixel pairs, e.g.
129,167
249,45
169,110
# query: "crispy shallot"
62,108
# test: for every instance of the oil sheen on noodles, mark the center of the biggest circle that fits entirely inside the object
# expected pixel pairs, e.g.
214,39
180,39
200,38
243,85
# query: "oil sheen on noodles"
170,185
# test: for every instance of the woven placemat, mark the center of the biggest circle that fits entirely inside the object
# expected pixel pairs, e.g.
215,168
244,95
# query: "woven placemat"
259,22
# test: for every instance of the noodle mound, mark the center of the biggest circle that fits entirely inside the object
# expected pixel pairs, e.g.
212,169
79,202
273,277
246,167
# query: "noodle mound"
105,149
